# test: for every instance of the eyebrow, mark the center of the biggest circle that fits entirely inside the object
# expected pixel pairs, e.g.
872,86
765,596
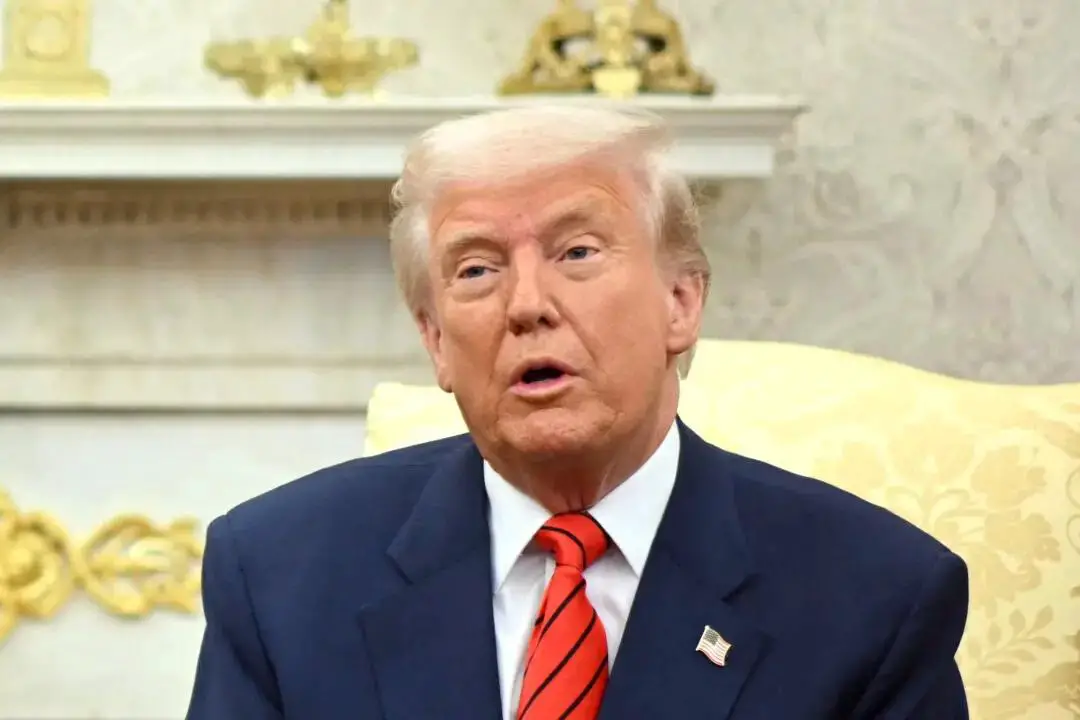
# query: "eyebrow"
460,242
576,216
563,219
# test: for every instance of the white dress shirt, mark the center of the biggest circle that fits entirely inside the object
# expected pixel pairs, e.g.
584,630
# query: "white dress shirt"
520,571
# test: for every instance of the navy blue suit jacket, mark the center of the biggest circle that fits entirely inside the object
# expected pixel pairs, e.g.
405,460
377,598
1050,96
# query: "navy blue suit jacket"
364,592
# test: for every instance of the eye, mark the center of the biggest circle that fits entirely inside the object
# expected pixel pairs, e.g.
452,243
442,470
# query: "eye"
472,271
578,252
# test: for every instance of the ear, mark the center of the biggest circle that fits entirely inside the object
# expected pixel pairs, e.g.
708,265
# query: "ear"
431,335
686,302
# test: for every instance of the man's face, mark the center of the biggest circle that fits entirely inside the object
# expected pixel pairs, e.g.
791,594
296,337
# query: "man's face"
552,323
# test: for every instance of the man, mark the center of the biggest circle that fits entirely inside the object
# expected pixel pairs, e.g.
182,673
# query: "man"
580,553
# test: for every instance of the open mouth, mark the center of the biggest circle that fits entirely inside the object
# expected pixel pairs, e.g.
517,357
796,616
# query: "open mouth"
537,375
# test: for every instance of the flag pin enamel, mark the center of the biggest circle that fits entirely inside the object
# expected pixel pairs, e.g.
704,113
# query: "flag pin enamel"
713,646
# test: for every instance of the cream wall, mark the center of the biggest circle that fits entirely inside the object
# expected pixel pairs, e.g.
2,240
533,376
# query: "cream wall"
927,212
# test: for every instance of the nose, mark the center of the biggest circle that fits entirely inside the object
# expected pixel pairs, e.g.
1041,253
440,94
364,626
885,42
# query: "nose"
529,305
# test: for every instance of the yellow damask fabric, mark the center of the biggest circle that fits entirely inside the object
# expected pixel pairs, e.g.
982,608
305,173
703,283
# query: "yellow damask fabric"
403,415
993,471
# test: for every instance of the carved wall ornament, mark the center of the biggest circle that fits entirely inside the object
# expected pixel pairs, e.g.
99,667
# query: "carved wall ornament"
129,566
47,50
620,49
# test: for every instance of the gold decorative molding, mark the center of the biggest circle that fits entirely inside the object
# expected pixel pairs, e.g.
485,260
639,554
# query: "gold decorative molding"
128,566
342,206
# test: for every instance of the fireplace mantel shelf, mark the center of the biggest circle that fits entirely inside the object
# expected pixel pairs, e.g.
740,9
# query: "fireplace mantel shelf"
717,138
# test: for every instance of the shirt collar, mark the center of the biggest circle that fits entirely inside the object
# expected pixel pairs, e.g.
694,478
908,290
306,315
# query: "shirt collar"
630,513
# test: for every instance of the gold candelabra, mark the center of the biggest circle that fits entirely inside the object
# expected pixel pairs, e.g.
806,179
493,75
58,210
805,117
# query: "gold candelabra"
328,55
620,49
47,50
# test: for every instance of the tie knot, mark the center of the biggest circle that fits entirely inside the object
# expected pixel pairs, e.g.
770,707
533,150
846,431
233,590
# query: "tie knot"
575,538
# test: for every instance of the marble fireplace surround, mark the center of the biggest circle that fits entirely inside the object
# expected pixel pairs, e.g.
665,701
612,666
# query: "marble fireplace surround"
209,256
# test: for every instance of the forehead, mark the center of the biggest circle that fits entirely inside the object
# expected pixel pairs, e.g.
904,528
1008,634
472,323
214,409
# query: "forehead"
531,202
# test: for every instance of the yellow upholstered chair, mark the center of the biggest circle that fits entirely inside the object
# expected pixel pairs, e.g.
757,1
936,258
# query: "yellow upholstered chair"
993,471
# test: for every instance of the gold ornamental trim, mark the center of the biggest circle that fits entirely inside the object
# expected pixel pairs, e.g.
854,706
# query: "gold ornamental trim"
129,566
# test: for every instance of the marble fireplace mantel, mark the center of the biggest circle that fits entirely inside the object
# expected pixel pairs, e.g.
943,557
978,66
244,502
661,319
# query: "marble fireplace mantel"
227,256
717,138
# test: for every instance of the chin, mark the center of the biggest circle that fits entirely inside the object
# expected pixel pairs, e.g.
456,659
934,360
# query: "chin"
554,431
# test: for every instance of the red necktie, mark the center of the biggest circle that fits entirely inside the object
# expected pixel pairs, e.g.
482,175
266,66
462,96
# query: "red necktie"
566,669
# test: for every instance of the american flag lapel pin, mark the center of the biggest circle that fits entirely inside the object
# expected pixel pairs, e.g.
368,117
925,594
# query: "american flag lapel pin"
713,646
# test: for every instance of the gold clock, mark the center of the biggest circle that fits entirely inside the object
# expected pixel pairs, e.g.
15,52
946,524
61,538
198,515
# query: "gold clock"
47,50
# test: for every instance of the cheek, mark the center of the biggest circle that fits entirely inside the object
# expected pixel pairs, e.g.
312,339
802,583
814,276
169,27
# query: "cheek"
470,339
633,329
468,324
634,308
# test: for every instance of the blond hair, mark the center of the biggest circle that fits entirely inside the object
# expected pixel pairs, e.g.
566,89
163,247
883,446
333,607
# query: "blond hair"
512,143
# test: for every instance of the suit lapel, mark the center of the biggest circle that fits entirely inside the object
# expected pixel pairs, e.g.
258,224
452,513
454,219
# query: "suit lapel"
698,560
432,646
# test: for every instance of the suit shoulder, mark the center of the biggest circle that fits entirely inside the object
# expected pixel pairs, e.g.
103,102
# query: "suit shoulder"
832,524
365,490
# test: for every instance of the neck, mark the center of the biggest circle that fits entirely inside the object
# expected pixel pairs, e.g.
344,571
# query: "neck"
577,482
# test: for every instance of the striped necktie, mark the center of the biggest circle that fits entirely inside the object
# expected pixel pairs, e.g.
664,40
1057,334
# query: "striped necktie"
566,668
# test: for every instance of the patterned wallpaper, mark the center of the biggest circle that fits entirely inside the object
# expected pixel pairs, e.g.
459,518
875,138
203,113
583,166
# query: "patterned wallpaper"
928,211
